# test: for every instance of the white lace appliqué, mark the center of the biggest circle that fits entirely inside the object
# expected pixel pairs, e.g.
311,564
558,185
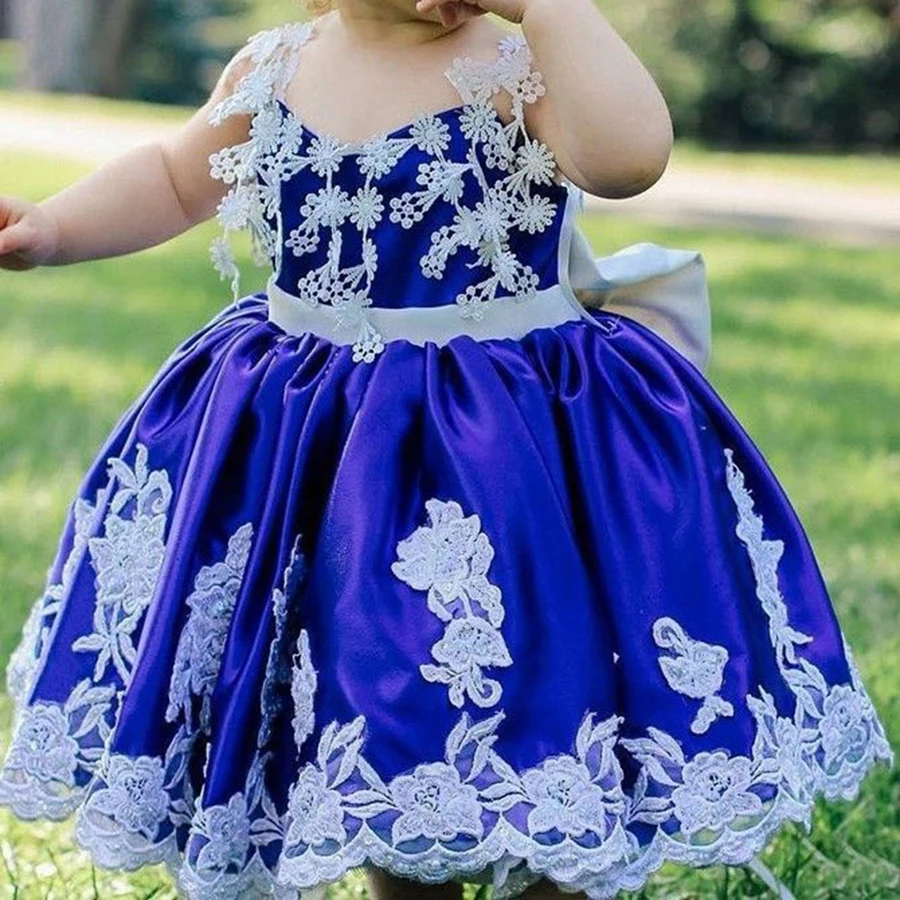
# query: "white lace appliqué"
280,147
572,817
450,804
135,807
252,170
696,670
128,559
202,641
25,660
450,559
56,748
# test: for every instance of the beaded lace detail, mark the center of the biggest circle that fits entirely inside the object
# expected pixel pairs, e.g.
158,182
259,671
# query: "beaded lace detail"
503,161
696,670
450,559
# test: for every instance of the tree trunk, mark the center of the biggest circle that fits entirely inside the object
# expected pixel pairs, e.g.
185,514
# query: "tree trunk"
78,46
116,32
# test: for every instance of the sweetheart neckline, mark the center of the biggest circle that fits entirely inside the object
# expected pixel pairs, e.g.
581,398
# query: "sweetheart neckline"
357,147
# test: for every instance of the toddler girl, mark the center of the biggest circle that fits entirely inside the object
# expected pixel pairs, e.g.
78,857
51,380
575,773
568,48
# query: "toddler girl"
439,557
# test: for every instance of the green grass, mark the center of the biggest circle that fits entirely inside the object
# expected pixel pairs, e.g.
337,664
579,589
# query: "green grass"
99,108
872,170
806,343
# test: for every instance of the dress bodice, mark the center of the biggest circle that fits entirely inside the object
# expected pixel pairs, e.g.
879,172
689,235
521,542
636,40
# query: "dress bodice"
459,207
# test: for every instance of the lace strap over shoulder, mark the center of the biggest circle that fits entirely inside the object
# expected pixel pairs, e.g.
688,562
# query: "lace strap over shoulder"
266,64
270,58
478,81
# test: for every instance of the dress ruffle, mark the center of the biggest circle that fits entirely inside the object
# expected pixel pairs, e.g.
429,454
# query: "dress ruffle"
308,615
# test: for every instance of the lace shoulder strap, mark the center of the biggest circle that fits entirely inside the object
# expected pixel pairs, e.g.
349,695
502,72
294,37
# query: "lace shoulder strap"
268,62
479,81
261,72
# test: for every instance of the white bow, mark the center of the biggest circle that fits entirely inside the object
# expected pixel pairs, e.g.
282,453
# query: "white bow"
664,289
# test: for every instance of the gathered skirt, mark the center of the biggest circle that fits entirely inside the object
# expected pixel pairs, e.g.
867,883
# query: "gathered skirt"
491,610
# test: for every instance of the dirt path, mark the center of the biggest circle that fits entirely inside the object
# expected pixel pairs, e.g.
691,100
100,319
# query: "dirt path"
686,195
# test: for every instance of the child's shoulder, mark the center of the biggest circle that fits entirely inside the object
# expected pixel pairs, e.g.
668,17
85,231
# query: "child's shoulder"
486,59
264,47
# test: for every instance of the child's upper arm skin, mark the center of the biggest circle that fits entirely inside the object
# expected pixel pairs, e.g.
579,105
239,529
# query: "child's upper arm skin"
612,164
186,153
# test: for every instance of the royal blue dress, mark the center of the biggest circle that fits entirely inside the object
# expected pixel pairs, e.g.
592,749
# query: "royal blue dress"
417,561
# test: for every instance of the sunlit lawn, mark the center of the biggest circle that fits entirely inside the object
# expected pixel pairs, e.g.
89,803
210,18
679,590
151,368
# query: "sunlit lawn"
807,343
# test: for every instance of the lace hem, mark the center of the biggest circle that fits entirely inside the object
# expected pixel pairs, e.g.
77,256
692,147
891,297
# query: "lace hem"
575,818
507,859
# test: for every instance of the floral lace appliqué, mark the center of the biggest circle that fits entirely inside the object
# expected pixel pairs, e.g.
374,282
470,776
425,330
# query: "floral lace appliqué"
696,670
464,798
569,817
252,170
25,660
56,748
128,560
503,162
136,806
450,558
202,641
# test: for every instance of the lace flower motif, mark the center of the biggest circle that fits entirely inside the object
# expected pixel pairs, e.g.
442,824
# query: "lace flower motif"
435,803
304,683
134,795
228,830
43,747
695,670
715,792
450,558
202,641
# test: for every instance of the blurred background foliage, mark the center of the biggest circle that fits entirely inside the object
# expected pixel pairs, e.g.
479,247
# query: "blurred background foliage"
821,74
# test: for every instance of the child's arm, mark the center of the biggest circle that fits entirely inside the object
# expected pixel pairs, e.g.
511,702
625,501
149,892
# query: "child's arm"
603,117
141,199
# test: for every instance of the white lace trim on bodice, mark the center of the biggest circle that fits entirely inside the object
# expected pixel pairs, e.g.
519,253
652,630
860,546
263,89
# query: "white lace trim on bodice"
280,146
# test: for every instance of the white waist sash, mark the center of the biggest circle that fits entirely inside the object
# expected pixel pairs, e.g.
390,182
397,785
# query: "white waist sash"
503,318
662,288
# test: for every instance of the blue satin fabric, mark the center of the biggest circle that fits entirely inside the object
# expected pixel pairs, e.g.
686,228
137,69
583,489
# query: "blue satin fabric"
592,452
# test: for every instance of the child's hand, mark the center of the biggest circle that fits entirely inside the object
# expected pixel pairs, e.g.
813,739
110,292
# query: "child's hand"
454,12
28,235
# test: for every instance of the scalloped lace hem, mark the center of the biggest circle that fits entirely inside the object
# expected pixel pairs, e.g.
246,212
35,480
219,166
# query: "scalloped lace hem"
575,818
510,861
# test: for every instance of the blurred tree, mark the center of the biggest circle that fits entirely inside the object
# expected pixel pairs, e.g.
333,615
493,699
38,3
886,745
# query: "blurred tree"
78,45
806,72
818,73
149,49
178,56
